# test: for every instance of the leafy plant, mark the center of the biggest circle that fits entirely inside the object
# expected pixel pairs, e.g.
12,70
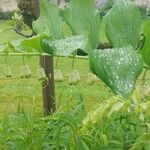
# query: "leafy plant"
113,123
82,17
126,122
49,22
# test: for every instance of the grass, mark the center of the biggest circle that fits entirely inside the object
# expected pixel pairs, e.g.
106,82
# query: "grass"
14,89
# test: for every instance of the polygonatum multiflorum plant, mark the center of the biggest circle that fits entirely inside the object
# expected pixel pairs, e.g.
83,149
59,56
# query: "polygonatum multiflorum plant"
118,67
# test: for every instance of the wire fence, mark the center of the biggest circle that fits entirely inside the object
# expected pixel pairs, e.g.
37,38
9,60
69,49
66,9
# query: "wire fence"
15,60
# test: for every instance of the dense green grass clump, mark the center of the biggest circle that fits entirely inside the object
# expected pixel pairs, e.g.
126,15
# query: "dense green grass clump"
111,124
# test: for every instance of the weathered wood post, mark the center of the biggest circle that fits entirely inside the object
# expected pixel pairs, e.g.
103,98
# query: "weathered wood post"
48,86
48,89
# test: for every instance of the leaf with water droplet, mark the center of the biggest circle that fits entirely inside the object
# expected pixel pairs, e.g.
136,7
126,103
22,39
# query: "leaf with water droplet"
66,47
118,68
123,24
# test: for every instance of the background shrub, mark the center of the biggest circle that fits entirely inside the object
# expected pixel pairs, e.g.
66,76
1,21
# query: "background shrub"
6,15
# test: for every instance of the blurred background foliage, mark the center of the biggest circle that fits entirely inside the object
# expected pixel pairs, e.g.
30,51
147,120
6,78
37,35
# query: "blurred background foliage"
7,11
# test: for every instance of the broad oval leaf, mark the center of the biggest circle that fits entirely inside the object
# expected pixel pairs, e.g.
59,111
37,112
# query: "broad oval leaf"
65,47
83,18
33,44
118,68
49,22
146,48
123,24
28,45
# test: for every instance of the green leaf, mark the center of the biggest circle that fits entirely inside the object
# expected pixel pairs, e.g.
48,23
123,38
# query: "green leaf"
123,24
64,47
32,44
146,48
49,22
118,68
80,144
82,17
28,45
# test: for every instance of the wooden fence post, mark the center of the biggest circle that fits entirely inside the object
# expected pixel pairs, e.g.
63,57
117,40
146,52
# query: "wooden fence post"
48,87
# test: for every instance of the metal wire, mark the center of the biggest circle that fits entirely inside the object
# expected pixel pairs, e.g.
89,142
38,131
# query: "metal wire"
39,54
44,54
